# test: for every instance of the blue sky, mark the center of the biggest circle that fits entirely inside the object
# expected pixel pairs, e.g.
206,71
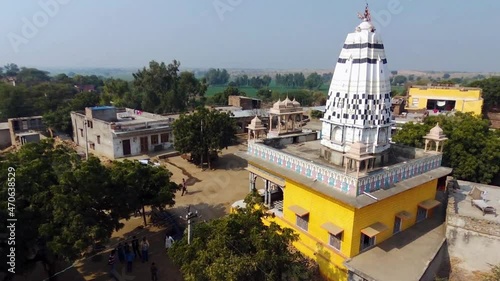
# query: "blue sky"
282,34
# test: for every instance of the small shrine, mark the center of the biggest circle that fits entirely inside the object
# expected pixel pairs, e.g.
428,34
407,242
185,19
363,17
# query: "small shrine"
285,117
255,128
436,136
358,155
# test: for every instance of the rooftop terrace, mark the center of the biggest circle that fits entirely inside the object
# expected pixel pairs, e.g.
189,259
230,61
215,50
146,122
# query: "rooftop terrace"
407,168
462,203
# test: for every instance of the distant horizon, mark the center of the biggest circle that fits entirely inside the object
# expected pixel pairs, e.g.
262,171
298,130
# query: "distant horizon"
448,35
234,68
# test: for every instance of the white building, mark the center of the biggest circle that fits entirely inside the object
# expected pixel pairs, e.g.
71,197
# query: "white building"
117,133
359,102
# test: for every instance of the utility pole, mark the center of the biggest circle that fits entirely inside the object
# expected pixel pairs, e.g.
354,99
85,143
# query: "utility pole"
189,216
202,145
86,140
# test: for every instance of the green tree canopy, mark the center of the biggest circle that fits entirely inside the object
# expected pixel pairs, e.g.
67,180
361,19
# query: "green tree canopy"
240,247
204,133
217,76
472,149
491,92
148,185
163,90
32,76
66,204
313,81
11,69
222,97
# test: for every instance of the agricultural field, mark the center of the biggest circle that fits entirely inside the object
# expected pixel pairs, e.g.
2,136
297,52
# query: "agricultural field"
252,92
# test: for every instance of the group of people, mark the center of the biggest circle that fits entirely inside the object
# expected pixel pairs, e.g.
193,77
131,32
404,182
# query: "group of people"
127,253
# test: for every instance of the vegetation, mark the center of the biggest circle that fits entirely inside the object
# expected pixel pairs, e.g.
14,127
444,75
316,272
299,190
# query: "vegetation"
494,275
217,76
313,81
316,114
491,93
222,97
292,80
163,90
67,205
472,149
203,134
240,247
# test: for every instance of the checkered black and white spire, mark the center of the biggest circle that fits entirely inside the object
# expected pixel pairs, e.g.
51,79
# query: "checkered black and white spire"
359,102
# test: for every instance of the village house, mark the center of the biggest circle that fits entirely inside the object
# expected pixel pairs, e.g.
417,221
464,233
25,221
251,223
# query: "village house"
116,133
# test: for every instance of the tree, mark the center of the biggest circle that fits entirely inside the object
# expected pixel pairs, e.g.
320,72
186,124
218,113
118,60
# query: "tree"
158,85
204,133
394,72
399,80
264,94
217,76
60,118
241,80
32,76
327,77
491,92
192,88
71,204
146,185
11,69
222,98
446,76
472,149
15,102
240,247
313,81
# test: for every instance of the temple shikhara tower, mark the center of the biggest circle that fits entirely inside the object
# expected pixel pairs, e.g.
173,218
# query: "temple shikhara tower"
348,193
359,101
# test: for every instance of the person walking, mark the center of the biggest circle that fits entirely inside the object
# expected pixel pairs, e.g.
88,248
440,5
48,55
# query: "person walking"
145,249
184,187
121,252
135,246
169,241
154,272
130,259
111,263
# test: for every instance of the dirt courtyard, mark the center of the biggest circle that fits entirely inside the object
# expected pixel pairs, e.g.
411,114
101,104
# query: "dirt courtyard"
210,192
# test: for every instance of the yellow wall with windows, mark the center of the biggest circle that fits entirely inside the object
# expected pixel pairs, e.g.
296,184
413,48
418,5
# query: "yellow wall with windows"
314,242
385,212
468,100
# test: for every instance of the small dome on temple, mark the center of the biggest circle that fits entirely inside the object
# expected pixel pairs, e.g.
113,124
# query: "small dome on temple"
295,103
256,122
279,104
437,131
287,102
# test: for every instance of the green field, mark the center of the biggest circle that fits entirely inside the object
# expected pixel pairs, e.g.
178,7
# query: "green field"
251,92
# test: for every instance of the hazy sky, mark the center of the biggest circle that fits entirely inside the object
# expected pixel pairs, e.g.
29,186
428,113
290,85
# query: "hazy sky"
283,34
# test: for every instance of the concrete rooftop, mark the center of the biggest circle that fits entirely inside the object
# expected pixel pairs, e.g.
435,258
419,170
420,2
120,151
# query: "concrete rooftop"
310,150
463,202
404,256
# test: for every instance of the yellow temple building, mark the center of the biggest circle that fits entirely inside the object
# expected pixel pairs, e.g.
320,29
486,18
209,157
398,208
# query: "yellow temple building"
346,190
